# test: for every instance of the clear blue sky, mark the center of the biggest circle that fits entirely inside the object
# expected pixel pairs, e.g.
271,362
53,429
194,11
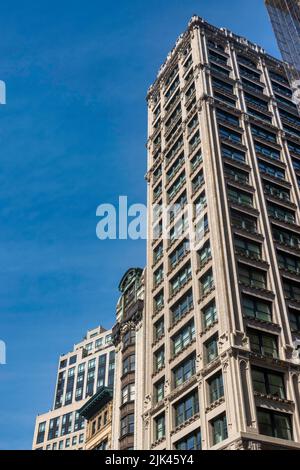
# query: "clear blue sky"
73,136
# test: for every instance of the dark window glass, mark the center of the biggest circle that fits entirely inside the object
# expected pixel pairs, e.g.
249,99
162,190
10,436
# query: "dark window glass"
219,429
263,343
268,382
216,387
275,424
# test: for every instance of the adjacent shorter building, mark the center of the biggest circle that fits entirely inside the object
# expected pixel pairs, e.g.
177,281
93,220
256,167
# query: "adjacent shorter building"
81,373
98,413
128,338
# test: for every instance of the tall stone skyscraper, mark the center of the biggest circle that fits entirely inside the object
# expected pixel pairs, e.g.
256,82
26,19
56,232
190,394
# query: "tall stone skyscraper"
285,18
222,314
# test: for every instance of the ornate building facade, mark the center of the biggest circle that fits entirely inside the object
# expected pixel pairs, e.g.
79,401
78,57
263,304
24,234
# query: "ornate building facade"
97,412
128,338
222,322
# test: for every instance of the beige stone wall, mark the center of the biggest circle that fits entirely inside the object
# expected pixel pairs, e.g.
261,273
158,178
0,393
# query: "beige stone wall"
102,433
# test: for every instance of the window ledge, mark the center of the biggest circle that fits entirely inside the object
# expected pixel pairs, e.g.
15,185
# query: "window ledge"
273,398
185,424
182,350
215,404
158,442
210,327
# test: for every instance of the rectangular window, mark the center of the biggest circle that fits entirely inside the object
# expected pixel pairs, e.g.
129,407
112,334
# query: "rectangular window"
267,151
271,170
182,339
67,422
247,248
182,307
196,160
159,391
129,364
111,369
219,429
252,277
184,371
158,253
277,192
233,154
177,232
41,433
216,387
129,338
230,118
159,360
53,428
198,182
286,238
251,99
236,175
281,214
190,442
222,86
207,283
228,134
127,425
158,276
273,424
209,315
160,427
201,228
211,349
181,279
289,263
101,371
268,382
179,253
294,317
204,255
180,181
243,222
159,301
128,393
258,309
291,290
263,134
159,329
263,344
240,197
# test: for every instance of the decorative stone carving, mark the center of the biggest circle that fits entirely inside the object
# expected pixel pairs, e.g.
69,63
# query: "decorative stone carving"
223,342
167,388
254,445
147,402
127,326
